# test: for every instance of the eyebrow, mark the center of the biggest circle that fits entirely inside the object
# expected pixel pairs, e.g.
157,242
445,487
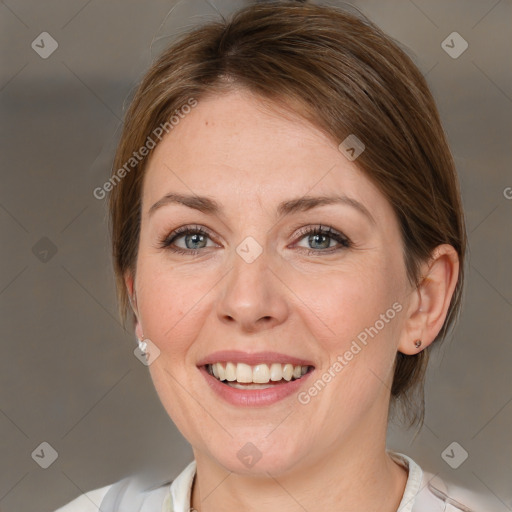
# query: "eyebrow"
209,206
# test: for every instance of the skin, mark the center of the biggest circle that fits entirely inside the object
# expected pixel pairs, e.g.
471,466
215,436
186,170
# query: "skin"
250,156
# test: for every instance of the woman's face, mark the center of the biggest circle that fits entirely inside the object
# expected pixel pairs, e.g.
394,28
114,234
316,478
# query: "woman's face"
259,285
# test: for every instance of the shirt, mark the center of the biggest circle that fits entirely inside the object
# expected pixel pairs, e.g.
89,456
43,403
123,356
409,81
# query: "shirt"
424,492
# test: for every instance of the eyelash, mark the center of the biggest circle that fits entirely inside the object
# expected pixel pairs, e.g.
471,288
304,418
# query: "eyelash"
346,243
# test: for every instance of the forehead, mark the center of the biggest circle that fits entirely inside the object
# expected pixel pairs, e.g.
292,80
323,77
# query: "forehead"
239,150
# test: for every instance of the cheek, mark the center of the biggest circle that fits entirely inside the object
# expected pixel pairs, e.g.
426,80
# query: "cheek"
342,304
172,310
355,316
355,321
170,301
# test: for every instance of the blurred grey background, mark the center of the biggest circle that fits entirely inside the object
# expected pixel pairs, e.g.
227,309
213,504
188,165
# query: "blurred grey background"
68,373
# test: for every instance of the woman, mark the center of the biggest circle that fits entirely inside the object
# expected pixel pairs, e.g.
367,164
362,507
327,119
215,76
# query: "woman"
289,242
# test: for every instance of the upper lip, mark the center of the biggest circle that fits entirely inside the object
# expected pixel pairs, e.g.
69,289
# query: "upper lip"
237,356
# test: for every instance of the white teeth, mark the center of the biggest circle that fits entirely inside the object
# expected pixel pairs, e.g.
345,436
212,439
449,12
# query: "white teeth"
258,374
221,371
276,371
230,372
287,372
249,386
243,373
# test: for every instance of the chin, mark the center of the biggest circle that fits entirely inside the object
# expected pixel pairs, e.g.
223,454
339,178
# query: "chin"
253,459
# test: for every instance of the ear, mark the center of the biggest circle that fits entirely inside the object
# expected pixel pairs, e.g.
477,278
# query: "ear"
132,296
431,300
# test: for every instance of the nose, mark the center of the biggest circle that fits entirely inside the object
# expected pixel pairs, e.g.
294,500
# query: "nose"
253,296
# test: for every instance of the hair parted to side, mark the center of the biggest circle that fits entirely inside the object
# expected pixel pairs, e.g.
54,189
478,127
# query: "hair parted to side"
343,74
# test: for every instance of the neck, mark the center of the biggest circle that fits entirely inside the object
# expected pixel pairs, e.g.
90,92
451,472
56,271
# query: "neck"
355,475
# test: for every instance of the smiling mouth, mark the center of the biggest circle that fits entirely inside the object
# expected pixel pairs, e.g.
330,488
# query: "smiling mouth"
260,376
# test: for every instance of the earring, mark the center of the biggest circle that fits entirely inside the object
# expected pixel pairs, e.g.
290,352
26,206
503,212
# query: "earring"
417,343
142,345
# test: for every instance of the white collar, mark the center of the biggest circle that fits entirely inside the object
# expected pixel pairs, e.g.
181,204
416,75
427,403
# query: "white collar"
414,481
181,490
416,497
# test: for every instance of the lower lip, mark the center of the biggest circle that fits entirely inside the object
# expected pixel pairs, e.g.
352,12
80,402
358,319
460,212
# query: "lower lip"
254,397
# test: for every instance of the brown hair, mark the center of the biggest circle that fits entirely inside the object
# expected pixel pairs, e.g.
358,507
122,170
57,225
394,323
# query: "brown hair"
343,74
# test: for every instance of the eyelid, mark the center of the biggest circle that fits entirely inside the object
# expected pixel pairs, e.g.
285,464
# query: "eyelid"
343,240
307,229
185,230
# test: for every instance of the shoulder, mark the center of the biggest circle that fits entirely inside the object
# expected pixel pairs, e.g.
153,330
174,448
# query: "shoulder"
138,492
129,494
88,502
426,492
456,498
